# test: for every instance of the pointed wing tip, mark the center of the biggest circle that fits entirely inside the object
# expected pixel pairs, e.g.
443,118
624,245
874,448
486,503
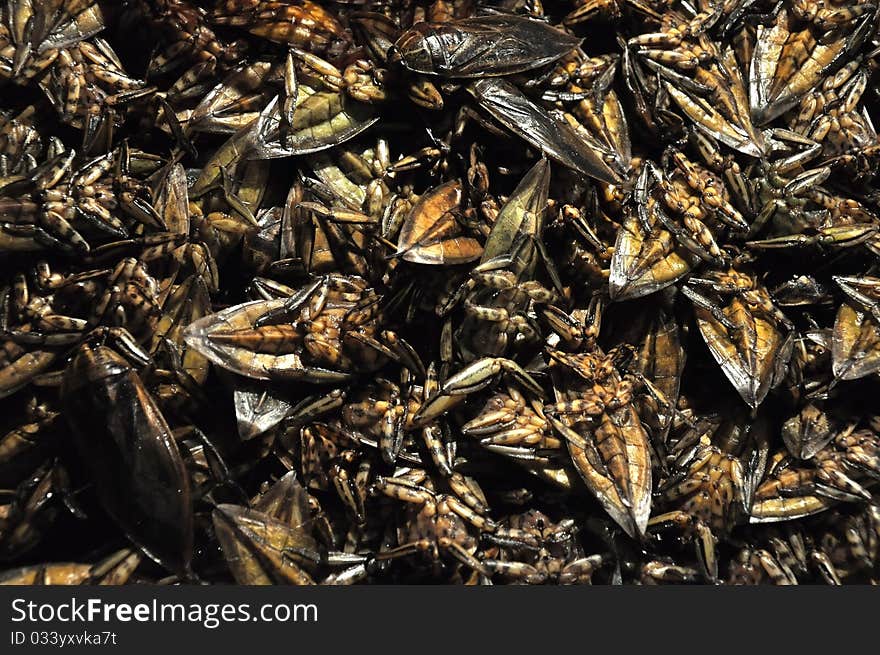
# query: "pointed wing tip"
752,149
248,430
619,291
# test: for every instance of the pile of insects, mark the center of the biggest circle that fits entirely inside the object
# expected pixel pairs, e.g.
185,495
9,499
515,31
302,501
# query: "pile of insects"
439,292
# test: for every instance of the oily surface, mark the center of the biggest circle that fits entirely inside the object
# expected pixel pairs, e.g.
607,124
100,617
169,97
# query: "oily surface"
306,292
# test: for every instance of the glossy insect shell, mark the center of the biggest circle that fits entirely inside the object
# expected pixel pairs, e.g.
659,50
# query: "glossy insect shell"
482,46
131,456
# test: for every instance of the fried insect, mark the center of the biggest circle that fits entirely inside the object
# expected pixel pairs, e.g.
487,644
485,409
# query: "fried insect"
835,474
552,135
535,550
709,488
856,335
439,292
432,233
115,569
438,524
481,46
595,413
300,23
501,290
789,62
748,336
326,332
273,542
131,454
